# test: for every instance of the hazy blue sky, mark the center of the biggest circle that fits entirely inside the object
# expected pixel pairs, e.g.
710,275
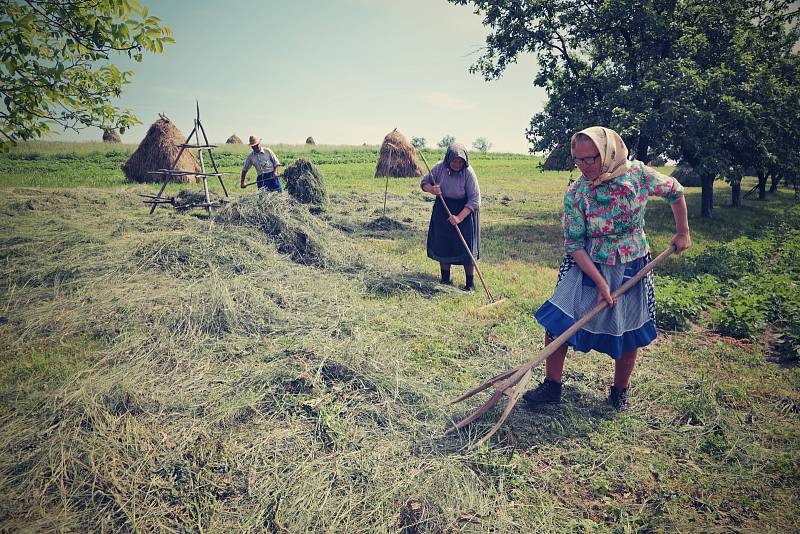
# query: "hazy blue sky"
342,71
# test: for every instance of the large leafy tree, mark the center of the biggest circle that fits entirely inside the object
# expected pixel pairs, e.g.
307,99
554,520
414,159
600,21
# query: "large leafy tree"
56,65
672,76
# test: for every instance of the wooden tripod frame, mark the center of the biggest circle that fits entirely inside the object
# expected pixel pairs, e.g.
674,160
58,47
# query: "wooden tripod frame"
198,129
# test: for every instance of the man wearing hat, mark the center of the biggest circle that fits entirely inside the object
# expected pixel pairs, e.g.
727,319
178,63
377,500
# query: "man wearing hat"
266,165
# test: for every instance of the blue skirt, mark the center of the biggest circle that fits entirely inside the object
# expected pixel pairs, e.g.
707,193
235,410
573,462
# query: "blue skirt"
628,325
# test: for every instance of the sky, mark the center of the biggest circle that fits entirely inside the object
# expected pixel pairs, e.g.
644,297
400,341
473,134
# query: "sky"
341,71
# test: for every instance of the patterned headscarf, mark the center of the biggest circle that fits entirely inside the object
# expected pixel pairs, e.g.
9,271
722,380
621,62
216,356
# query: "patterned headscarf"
456,150
613,152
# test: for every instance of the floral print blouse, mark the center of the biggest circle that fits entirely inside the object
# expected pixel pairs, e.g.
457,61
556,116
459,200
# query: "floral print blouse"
608,220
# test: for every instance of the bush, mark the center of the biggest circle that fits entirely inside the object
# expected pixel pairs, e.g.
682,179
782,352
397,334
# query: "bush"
677,304
418,142
446,141
741,315
482,144
731,260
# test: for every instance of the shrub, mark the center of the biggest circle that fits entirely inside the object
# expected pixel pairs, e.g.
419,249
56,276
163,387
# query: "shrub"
418,142
677,304
741,315
731,260
446,141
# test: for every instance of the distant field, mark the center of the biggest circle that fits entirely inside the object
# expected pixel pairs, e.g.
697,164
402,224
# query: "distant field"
174,373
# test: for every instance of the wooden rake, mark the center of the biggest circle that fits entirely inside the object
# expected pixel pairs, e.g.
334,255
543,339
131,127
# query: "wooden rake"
492,300
512,383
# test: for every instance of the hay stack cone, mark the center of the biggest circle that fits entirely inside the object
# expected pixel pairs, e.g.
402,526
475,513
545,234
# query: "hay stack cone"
686,175
398,158
560,159
111,136
234,140
158,150
305,183
310,140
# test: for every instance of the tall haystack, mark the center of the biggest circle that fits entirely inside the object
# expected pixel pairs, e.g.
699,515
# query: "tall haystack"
111,136
686,175
234,140
158,150
560,159
398,157
310,140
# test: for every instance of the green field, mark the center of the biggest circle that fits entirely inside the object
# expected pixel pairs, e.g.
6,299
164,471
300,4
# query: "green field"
175,373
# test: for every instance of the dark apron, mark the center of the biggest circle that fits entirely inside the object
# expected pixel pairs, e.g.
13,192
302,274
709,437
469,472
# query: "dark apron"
444,245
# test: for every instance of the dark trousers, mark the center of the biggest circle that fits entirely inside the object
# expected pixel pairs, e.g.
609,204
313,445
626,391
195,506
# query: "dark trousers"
269,181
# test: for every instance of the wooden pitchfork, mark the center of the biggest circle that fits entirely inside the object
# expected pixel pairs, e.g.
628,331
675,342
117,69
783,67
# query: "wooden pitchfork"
492,300
512,383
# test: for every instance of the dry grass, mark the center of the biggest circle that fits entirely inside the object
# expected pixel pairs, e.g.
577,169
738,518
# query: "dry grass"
398,158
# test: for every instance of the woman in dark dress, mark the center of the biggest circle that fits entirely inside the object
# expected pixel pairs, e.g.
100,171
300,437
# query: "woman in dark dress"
455,180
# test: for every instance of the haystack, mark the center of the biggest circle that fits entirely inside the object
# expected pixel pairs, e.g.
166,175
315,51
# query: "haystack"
398,157
310,140
234,140
158,150
305,183
560,159
686,175
111,136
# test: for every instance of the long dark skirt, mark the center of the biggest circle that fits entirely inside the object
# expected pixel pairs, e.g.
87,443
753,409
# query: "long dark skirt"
443,243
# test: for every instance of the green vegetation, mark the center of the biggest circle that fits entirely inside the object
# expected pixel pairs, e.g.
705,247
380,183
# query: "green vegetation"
284,371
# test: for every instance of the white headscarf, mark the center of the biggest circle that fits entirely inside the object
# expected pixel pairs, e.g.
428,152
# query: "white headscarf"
612,149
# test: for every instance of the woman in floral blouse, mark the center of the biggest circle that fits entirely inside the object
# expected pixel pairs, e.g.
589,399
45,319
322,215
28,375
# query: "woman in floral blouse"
605,245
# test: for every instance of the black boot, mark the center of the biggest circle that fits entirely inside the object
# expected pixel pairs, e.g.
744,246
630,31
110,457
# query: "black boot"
618,397
470,285
445,277
548,391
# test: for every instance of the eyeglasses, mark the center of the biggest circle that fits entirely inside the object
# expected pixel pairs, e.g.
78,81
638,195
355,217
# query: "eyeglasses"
586,161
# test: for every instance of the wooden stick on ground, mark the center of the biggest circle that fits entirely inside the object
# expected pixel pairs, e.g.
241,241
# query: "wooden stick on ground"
513,382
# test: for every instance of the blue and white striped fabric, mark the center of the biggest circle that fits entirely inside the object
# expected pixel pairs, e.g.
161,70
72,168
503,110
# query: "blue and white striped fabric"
628,325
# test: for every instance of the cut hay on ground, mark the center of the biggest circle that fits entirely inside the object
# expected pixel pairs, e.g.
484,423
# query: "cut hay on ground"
560,159
310,140
398,158
686,175
158,150
234,140
305,183
111,136
385,223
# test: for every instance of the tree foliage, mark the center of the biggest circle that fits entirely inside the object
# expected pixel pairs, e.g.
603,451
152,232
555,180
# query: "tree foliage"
714,84
481,144
418,142
446,141
55,63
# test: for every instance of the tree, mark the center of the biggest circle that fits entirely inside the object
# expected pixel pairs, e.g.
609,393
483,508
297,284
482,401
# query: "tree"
55,63
418,142
482,144
446,141
671,76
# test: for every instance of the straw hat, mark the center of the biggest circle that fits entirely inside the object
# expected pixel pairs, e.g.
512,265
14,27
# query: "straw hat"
254,140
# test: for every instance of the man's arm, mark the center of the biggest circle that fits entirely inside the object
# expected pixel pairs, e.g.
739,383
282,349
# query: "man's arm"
247,164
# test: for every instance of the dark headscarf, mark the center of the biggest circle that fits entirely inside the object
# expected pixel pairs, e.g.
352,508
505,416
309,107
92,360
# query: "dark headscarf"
456,150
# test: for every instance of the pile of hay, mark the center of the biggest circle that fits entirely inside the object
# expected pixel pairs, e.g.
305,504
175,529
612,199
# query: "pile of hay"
305,183
234,140
158,150
560,159
686,175
293,229
111,136
398,158
310,140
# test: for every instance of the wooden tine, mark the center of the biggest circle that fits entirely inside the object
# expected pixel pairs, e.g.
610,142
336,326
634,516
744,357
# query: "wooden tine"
485,385
515,395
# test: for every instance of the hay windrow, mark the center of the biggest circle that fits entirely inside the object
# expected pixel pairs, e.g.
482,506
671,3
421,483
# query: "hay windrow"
305,183
158,150
293,229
